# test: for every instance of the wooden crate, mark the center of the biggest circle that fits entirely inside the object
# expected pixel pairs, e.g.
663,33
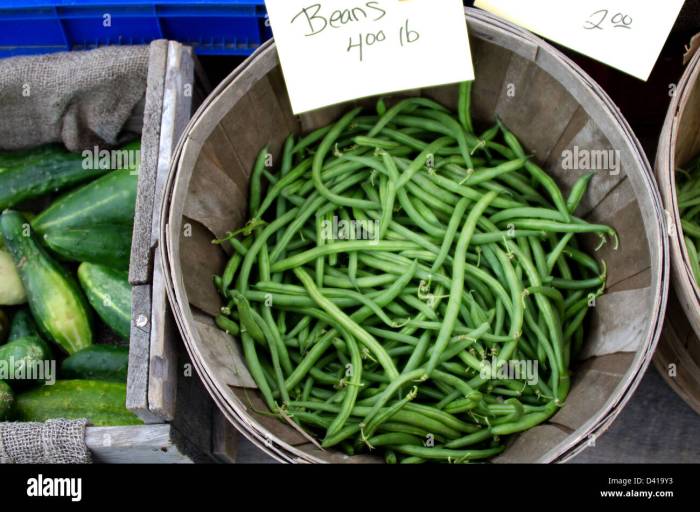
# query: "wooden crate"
182,425
163,389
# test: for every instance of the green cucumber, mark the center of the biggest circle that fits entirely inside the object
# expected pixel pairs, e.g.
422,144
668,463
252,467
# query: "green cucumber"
4,327
7,399
99,362
25,360
103,404
40,172
22,325
107,200
9,159
55,300
109,245
109,293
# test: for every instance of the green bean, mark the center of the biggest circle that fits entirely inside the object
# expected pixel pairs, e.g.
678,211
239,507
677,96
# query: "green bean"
227,325
458,272
371,427
408,105
403,421
694,261
465,94
311,139
352,389
340,247
470,439
319,158
255,182
348,323
484,175
255,369
444,453
452,228
526,422
274,345
421,160
454,129
578,191
394,439
247,320
538,174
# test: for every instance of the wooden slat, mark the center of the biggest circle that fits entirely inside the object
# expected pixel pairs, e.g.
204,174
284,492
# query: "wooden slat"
141,257
150,444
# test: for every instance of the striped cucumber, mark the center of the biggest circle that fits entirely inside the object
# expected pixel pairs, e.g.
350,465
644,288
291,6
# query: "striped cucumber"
22,325
39,172
109,293
107,200
26,360
55,300
102,403
99,362
7,399
109,245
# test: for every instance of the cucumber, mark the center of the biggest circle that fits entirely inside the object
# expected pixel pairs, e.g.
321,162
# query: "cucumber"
10,159
107,200
12,292
4,327
55,300
99,362
102,403
24,358
39,172
109,245
7,399
22,325
109,293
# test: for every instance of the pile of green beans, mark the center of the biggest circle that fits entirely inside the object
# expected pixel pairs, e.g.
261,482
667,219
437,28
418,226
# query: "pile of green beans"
689,209
381,345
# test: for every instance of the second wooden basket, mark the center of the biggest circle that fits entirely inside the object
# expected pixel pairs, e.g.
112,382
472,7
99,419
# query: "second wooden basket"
678,357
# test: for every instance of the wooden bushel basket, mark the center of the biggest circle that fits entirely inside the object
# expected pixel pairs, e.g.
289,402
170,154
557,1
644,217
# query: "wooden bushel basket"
678,357
550,104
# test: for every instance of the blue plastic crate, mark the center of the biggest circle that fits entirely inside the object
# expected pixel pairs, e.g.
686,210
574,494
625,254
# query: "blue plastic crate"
226,27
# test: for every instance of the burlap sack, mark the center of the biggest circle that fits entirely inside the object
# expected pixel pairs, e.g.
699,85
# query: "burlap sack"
81,99
53,442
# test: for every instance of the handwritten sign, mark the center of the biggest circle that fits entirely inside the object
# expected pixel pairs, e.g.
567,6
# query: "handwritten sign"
339,50
625,34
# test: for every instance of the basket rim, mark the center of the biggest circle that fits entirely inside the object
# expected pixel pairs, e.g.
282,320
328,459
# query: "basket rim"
666,166
656,238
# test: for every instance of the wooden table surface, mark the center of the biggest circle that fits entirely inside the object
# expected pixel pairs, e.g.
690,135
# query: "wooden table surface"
655,427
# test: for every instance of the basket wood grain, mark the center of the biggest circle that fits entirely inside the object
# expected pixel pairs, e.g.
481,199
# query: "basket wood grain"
549,103
678,357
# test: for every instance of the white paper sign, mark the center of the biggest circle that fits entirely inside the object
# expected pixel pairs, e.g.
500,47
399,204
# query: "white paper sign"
625,34
338,50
